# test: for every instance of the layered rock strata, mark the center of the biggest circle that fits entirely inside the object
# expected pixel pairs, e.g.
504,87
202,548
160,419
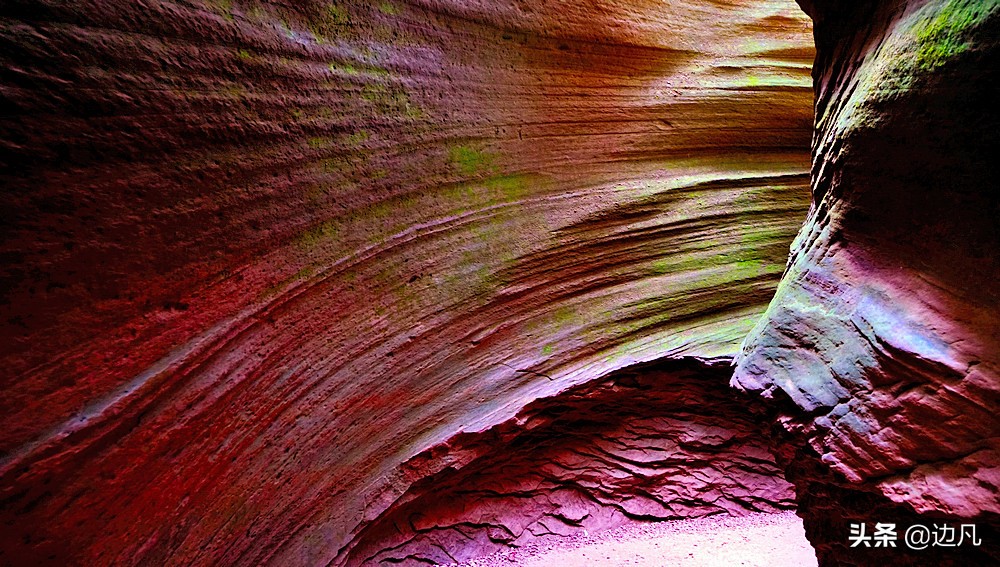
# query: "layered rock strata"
882,345
257,255
664,441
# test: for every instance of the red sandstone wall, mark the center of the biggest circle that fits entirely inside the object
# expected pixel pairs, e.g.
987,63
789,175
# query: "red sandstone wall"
258,254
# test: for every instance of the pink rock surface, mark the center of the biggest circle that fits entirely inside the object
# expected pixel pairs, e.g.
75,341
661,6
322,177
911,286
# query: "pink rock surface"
754,540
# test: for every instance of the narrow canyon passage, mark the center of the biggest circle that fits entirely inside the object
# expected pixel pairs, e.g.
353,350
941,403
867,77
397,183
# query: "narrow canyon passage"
351,282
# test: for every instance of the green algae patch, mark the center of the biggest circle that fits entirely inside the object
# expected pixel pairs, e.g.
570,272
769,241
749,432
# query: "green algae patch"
345,68
318,142
357,138
565,316
660,267
354,68
490,192
329,23
468,160
376,70
508,188
319,234
936,35
337,15
233,90
482,268
223,8
920,45
335,165
390,100
946,35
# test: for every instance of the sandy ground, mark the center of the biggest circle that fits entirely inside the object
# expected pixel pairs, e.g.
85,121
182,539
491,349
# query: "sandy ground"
765,540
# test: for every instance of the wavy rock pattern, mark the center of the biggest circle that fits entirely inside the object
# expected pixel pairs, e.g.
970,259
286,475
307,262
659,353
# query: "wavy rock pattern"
654,442
884,334
257,255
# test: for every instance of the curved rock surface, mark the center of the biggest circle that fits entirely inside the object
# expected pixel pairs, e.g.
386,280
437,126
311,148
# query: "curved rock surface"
257,255
882,345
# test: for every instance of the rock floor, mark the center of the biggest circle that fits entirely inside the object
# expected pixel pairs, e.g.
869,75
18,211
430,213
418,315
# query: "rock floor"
766,540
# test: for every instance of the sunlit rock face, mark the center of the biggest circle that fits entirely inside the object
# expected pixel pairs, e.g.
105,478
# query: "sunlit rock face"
664,441
881,345
258,255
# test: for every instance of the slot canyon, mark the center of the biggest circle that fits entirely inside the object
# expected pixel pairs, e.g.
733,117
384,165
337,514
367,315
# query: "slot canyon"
414,282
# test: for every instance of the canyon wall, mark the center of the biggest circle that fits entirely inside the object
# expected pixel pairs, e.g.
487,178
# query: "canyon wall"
344,282
880,352
258,256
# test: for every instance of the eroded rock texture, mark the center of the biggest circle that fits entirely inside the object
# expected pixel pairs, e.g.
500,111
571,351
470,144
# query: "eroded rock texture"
257,255
666,441
884,335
